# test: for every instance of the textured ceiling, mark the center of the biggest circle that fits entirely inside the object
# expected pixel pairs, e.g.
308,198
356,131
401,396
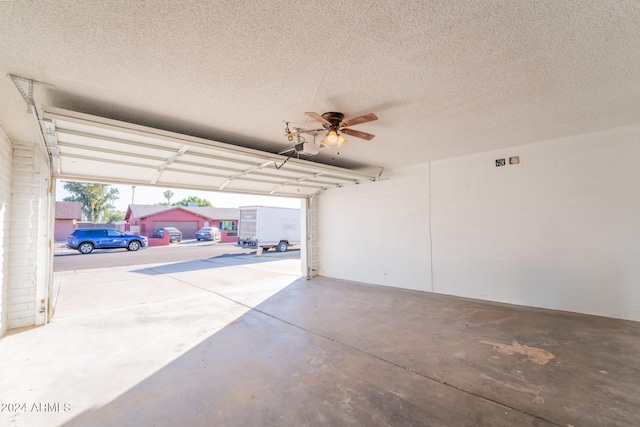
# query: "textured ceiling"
446,78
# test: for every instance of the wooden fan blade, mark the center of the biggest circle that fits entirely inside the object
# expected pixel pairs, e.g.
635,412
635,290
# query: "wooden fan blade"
311,131
319,118
358,134
359,120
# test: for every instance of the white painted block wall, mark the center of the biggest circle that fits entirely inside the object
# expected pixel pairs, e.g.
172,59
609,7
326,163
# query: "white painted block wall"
312,237
560,230
29,264
378,232
6,154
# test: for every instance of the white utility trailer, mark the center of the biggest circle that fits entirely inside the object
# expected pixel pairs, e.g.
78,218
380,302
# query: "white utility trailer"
269,227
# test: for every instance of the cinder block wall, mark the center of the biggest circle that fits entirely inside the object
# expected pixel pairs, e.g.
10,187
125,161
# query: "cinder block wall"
29,266
6,155
378,232
559,230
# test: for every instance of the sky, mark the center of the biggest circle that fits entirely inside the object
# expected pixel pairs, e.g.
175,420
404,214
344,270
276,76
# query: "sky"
153,195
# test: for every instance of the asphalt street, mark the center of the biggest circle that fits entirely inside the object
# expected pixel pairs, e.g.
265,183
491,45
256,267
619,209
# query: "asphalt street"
67,259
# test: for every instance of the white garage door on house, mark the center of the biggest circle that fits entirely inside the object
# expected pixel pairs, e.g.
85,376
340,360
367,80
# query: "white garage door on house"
188,228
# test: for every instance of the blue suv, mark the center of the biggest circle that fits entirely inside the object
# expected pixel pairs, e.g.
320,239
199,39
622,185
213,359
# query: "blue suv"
86,240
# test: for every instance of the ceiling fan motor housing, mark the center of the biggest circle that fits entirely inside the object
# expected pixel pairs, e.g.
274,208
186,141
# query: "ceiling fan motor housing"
334,123
334,118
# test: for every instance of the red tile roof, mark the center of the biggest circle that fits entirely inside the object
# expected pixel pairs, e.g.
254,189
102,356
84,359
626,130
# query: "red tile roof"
144,211
68,210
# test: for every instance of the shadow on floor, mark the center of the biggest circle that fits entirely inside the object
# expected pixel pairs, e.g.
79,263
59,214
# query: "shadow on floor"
327,352
220,261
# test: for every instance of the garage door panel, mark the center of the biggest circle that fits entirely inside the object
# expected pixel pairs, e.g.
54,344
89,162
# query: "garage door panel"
76,167
185,180
97,157
190,168
237,164
93,144
74,123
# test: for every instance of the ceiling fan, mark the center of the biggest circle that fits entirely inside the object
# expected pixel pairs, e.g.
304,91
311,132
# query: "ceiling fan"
335,125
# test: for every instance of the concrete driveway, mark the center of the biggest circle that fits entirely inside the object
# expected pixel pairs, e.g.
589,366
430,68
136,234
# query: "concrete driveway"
115,326
85,291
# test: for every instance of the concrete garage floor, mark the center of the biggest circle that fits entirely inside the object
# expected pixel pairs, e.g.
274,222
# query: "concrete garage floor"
244,341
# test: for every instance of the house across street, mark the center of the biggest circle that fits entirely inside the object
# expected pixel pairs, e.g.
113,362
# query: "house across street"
146,219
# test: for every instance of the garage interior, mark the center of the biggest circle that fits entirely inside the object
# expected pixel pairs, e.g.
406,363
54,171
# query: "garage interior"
475,263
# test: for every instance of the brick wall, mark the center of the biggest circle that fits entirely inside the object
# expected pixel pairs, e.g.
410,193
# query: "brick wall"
29,266
6,154
312,237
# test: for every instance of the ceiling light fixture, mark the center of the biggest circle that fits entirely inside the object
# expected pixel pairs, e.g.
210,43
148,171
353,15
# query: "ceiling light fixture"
331,138
334,124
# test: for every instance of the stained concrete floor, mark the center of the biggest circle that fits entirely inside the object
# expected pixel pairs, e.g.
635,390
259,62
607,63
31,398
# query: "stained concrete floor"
246,342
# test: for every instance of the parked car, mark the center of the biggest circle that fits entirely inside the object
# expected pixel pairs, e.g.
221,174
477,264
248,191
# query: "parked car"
175,235
208,233
86,240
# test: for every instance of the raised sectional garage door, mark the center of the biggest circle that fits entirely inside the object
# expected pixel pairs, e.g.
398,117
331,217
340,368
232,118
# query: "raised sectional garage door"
85,147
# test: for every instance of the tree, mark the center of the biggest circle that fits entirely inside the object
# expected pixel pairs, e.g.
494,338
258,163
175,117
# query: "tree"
95,198
111,216
193,199
168,195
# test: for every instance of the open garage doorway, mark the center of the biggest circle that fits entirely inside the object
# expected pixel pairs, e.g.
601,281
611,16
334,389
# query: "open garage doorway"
115,278
90,148
84,148
147,211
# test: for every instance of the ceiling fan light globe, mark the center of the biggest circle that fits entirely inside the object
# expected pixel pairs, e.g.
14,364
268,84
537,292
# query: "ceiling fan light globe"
341,141
331,138
326,141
